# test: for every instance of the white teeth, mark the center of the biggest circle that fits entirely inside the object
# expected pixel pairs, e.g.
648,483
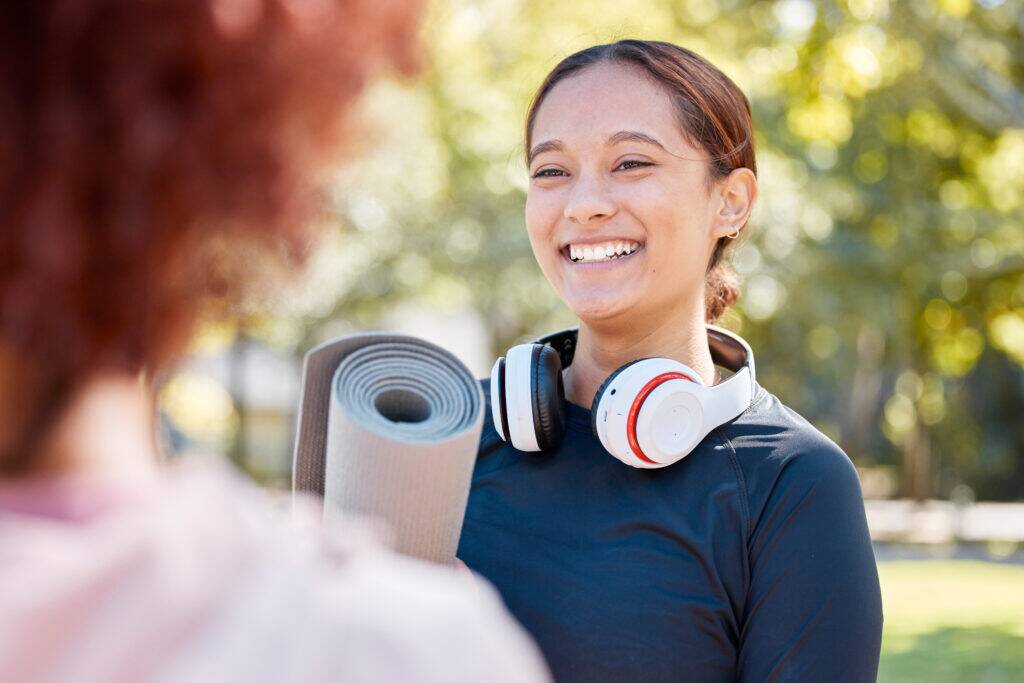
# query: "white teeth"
601,252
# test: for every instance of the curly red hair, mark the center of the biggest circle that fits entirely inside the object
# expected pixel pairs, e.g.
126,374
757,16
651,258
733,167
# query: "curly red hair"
149,151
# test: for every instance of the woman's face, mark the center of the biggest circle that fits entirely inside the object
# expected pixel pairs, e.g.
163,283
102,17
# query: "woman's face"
617,211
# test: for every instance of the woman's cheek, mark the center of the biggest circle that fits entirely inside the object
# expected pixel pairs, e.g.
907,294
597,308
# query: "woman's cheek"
541,211
541,224
542,247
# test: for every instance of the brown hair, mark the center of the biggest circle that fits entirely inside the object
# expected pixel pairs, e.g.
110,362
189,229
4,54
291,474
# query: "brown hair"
714,115
149,151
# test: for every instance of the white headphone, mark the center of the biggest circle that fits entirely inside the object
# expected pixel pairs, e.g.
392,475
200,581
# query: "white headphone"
650,413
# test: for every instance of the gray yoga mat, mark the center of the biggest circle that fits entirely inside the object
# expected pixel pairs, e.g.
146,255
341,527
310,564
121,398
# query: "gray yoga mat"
389,427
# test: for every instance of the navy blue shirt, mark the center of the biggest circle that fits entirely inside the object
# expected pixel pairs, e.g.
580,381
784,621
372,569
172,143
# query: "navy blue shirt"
749,560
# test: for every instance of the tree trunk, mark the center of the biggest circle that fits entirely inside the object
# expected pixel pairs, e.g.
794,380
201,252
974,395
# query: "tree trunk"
917,464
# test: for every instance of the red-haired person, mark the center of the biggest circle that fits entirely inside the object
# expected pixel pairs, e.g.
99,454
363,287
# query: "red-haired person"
153,154
643,516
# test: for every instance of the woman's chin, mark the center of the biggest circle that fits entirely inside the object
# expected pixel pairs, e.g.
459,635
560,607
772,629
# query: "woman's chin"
601,308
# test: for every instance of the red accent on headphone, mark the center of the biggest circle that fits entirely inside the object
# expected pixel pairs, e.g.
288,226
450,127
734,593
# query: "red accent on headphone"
638,402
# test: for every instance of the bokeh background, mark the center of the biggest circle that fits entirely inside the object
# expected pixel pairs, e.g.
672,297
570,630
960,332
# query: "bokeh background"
883,268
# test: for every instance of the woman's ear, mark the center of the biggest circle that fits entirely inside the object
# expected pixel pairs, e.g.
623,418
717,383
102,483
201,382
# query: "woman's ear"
736,194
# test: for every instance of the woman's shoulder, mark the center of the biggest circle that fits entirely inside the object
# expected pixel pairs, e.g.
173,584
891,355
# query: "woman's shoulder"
205,555
349,587
777,451
371,614
771,430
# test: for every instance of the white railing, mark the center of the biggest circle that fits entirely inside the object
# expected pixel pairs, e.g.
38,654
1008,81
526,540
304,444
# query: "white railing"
939,521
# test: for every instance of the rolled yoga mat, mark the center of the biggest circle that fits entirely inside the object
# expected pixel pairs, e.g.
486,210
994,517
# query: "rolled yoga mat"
389,427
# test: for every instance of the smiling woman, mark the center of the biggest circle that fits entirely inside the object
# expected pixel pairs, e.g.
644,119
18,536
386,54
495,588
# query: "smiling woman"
708,548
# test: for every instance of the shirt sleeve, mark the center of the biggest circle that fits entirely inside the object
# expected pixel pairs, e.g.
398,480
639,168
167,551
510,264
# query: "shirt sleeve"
813,610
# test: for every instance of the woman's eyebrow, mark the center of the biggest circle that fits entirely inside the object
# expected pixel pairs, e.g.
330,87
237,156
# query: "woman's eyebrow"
546,146
634,136
621,136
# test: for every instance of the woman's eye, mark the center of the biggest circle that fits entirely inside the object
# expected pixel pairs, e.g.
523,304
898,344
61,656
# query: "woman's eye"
630,164
548,173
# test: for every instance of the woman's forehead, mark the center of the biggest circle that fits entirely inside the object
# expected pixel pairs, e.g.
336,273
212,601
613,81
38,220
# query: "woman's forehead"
593,105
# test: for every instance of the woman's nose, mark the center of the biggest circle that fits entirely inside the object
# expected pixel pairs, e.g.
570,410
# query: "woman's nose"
588,201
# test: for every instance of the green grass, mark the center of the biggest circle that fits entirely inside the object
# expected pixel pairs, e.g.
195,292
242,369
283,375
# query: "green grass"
952,622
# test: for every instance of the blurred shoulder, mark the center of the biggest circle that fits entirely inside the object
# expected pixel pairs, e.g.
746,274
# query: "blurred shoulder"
394,618
330,599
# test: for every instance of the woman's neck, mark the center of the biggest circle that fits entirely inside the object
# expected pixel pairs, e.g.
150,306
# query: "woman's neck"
600,350
106,431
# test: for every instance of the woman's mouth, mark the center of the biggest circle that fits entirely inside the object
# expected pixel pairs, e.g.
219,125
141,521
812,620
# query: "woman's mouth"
601,252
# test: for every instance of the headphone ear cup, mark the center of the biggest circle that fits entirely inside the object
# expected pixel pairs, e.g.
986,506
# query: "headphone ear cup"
649,415
600,392
532,396
547,394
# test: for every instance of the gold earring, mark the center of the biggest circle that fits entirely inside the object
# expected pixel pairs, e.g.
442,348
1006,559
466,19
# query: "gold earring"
734,235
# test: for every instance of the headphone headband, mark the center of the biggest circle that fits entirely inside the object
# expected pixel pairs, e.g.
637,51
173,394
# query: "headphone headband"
728,349
564,342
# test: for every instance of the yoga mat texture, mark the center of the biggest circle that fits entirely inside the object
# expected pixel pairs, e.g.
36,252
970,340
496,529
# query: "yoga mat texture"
389,427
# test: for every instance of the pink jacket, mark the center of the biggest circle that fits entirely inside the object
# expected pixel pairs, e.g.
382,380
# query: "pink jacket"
202,578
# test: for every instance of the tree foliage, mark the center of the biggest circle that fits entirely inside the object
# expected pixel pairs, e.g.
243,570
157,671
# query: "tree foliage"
884,271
